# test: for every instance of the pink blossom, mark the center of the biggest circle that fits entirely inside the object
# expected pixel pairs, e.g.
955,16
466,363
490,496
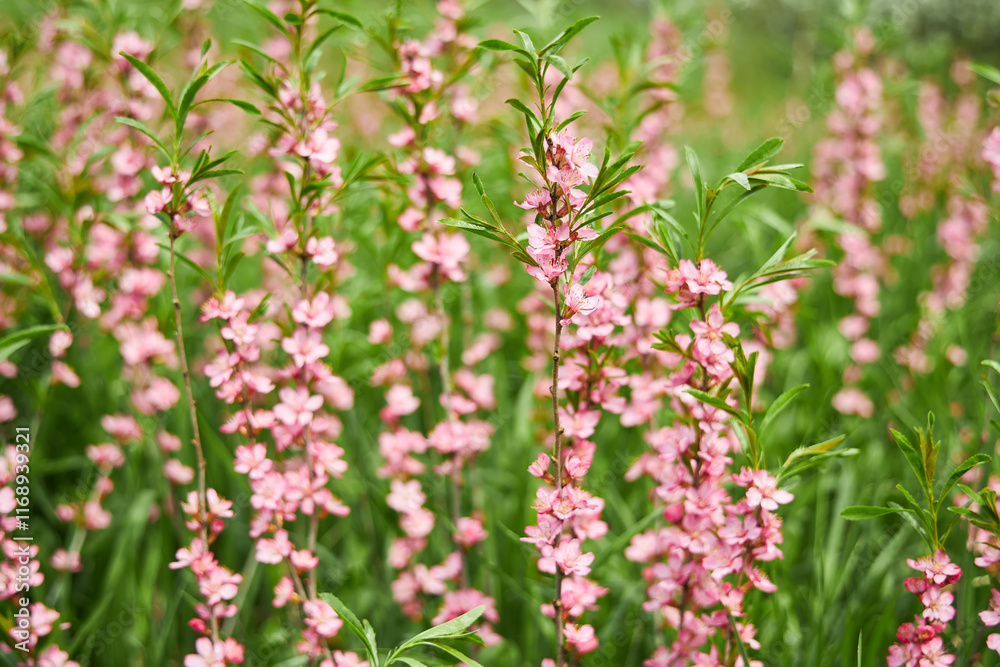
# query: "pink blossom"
570,559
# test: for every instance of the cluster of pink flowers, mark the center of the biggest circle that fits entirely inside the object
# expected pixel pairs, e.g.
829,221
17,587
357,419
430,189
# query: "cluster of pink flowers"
705,561
567,514
920,644
294,479
217,584
567,166
460,437
289,451
845,166
949,138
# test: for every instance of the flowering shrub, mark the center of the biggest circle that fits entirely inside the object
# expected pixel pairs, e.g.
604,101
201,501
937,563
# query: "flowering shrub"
348,335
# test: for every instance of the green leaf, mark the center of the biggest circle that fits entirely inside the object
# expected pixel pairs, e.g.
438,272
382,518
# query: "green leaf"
559,64
699,185
454,652
803,453
716,402
594,245
912,457
381,83
154,79
261,308
563,38
739,639
520,106
14,279
762,154
781,181
242,104
350,619
986,71
258,79
218,173
740,178
343,17
861,512
921,514
256,49
15,341
780,404
473,228
191,90
269,16
412,662
991,364
529,46
956,475
222,226
802,466
569,119
141,127
500,45
454,626
991,392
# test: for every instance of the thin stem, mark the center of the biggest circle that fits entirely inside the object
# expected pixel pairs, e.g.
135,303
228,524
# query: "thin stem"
195,435
557,455
445,371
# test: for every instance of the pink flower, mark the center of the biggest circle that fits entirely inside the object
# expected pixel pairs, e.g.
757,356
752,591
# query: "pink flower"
305,346
406,497
991,616
66,561
322,618
400,400
379,332
297,406
53,656
937,604
689,281
157,200
578,302
470,531
581,639
178,473
445,251
315,314
59,342
7,410
322,251
852,401
461,601
570,559
937,567
763,489
209,654
991,154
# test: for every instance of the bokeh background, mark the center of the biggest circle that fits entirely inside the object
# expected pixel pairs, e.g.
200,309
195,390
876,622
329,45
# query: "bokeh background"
757,69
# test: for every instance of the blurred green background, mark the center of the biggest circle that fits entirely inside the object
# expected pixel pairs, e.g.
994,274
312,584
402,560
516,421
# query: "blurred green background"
836,580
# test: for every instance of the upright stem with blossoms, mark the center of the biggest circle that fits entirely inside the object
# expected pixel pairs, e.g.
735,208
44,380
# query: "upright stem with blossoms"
706,559
183,202
923,643
426,99
572,194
